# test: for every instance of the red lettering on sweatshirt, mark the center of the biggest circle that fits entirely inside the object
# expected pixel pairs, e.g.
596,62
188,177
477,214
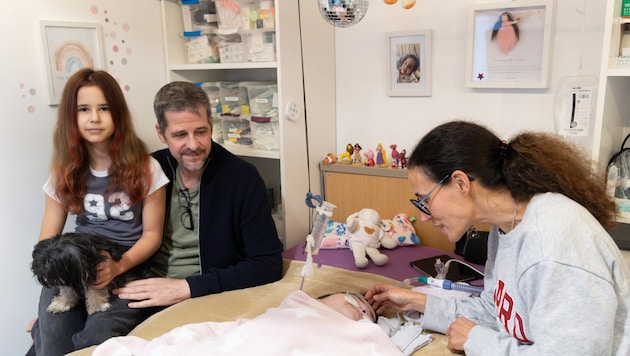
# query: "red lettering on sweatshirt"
518,331
505,312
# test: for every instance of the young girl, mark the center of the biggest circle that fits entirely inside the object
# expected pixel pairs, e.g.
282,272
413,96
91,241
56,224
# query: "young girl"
101,172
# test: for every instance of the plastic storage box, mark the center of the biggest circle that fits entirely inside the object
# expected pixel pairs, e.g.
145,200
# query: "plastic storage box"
257,14
265,133
236,130
199,15
263,106
260,45
262,98
232,49
201,48
214,96
228,13
233,98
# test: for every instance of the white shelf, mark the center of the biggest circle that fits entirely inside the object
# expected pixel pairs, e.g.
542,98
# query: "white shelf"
619,72
224,66
250,152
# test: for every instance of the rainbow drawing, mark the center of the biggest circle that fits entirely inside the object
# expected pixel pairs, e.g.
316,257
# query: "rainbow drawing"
72,56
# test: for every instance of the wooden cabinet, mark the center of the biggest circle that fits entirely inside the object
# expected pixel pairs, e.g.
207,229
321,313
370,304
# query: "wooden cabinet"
352,188
286,171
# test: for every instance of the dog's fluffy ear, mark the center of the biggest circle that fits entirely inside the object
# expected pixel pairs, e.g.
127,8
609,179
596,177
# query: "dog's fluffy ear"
68,259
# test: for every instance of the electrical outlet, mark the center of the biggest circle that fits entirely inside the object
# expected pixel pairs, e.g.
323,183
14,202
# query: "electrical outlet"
291,110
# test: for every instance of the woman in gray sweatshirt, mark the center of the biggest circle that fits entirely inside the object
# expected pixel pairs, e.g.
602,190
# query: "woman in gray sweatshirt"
555,281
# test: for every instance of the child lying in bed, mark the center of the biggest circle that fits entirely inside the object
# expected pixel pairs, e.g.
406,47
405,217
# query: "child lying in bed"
339,323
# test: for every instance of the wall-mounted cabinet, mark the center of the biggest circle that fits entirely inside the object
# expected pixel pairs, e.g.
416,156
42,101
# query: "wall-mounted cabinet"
286,169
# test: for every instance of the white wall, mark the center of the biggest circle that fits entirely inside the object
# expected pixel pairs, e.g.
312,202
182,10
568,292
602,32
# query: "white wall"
365,113
27,123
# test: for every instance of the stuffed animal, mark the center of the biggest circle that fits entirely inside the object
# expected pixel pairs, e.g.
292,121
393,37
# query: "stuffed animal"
367,234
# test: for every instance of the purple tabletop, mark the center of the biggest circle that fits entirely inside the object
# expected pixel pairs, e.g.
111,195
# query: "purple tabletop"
397,267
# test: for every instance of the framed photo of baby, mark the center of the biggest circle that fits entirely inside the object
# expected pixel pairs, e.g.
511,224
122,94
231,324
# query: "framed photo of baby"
409,63
509,44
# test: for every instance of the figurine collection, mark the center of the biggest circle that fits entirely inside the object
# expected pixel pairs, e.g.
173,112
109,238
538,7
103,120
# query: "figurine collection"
373,158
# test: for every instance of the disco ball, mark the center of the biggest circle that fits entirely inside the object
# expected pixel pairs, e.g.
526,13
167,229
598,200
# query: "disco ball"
343,13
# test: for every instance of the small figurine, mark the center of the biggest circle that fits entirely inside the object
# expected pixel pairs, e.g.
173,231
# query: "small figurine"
330,159
356,157
369,158
381,156
395,154
345,157
403,159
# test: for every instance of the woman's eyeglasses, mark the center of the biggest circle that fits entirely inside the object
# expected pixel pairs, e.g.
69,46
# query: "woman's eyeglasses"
355,299
187,216
421,204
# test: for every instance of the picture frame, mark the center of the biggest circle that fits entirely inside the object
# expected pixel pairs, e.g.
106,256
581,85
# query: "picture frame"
405,48
509,44
68,47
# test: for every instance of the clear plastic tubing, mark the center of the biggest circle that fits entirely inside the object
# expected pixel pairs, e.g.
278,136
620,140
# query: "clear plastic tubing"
449,285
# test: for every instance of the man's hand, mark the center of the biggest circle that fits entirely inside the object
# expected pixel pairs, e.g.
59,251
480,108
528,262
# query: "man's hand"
153,292
458,334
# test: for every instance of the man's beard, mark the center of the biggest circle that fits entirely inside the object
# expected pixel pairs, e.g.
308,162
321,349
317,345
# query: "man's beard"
198,165
193,168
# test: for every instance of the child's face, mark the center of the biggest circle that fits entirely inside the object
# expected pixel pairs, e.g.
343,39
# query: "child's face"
407,66
351,304
94,119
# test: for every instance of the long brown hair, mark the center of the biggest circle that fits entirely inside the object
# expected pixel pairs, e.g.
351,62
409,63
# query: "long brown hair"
530,163
130,169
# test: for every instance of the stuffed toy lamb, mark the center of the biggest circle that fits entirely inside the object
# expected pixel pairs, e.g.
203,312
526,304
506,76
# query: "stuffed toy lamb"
367,234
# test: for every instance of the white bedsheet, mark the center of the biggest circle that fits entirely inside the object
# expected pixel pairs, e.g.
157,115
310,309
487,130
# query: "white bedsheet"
300,326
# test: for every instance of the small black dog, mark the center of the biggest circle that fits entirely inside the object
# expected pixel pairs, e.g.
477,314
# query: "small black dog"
69,261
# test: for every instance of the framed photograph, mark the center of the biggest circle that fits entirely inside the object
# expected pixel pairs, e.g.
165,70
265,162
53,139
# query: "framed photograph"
68,47
509,45
409,63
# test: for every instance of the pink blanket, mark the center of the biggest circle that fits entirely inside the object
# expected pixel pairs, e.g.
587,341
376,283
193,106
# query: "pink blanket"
301,325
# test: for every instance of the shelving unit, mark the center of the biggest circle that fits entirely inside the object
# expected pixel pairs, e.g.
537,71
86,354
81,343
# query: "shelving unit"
613,107
285,171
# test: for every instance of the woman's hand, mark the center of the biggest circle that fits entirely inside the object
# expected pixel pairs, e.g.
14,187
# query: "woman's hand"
107,271
457,334
385,296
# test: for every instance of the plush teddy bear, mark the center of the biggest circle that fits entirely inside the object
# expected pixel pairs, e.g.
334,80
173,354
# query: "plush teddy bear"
367,234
